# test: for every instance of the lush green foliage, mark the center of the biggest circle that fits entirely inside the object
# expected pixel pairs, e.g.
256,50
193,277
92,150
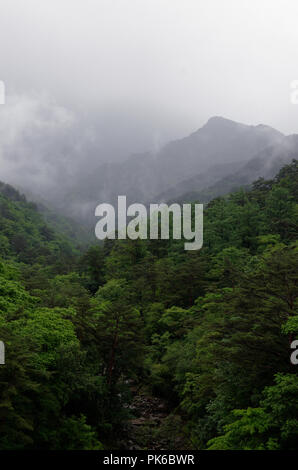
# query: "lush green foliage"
209,330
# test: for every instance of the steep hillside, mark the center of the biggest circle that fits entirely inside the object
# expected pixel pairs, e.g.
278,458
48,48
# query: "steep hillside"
26,237
206,186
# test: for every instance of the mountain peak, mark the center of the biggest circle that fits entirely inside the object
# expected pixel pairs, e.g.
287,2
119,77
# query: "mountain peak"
219,124
219,121
218,118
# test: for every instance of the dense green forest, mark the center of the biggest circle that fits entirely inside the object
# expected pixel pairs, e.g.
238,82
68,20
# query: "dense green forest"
208,331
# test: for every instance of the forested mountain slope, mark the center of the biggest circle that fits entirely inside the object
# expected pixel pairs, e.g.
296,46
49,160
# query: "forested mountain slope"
222,179
209,331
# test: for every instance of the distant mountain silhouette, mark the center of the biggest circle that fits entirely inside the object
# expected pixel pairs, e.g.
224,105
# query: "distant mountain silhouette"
220,156
220,148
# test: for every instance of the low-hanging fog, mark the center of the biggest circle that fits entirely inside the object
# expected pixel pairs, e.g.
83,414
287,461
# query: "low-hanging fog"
94,81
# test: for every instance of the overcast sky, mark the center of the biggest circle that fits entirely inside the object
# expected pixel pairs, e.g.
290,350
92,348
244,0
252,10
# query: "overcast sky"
128,75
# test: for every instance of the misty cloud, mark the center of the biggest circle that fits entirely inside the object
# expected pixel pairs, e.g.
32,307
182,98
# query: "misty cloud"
45,147
34,136
91,82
